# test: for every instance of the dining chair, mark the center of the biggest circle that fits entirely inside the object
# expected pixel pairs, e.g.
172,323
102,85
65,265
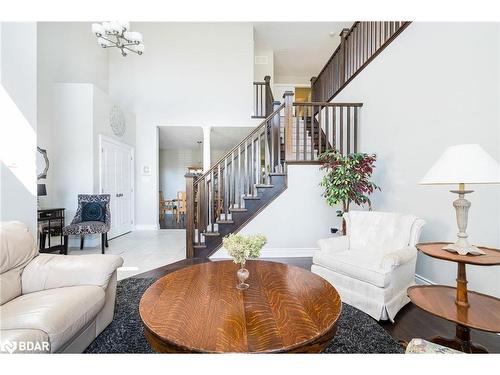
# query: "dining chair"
181,205
167,206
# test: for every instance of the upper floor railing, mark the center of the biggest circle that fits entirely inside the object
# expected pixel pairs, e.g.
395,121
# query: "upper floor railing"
263,98
359,45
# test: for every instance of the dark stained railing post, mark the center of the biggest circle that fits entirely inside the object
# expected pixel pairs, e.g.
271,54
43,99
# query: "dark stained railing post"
288,98
275,139
313,94
269,96
343,56
190,178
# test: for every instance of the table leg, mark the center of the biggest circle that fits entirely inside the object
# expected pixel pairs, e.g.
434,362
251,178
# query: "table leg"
461,341
461,299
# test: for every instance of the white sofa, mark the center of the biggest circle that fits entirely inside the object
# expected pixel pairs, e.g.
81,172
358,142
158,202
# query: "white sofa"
62,300
374,264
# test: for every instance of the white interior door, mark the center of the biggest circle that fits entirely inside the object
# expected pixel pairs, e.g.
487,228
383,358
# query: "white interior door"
116,179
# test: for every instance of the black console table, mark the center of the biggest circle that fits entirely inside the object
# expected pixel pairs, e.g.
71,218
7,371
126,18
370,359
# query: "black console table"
51,222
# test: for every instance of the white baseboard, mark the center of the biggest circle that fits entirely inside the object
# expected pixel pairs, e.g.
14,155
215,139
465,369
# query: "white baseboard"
420,280
146,227
272,253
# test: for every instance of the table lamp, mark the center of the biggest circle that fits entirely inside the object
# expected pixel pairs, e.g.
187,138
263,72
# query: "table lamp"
463,164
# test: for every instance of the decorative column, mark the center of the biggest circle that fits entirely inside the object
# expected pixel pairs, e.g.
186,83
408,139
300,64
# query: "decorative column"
206,148
190,200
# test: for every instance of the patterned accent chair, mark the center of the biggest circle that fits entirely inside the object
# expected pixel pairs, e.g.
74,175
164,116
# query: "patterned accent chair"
96,220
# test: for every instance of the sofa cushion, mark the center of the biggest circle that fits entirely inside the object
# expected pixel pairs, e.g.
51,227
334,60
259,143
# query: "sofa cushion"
24,341
358,264
60,312
17,248
381,232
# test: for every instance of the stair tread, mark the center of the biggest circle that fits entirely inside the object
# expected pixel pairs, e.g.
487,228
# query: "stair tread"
211,234
237,209
264,186
224,222
251,197
199,246
277,174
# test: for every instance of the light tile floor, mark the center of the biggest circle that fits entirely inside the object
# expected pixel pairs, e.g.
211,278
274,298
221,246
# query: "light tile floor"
143,250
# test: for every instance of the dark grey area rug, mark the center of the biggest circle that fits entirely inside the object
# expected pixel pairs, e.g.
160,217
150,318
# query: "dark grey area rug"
357,332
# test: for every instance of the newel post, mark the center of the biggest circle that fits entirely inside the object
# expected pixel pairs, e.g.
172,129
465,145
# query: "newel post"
343,56
269,96
288,98
190,198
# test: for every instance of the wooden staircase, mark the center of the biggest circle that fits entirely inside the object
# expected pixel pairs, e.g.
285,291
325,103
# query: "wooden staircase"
254,173
251,175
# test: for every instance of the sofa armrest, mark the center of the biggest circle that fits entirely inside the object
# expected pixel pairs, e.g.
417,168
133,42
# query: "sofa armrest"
395,259
48,271
334,244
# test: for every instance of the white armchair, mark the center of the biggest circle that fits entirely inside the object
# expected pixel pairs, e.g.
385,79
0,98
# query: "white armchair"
55,303
374,264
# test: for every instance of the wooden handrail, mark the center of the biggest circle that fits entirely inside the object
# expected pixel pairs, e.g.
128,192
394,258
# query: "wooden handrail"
327,104
359,45
249,136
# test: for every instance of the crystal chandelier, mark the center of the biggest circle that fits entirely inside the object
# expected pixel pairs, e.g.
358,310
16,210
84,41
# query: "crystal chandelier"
117,34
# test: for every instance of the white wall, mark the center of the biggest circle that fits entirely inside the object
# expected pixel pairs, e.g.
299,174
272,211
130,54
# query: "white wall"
296,219
262,70
190,74
80,114
72,150
102,105
18,122
67,53
173,167
436,85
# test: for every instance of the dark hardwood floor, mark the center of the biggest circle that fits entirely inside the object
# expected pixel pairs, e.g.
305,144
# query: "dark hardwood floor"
170,222
411,322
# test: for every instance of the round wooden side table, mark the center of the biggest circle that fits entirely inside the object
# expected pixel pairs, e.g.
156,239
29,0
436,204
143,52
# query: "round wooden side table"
198,309
465,308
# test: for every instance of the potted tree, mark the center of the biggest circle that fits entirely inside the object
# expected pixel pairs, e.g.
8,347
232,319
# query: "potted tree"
347,179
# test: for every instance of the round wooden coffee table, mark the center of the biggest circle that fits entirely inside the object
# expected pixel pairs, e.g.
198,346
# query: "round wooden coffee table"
199,310
465,308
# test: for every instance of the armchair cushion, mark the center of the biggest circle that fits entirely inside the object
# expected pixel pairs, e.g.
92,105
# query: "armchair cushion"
85,227
334,244
49,271
396,258
60,313
381,232
357,264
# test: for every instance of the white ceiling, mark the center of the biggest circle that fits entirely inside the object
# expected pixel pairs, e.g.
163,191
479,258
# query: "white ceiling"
300,48
180,137
186,137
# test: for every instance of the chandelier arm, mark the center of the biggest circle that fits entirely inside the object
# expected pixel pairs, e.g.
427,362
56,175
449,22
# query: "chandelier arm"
131,50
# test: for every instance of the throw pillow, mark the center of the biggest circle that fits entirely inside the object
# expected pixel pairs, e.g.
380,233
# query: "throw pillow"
94,211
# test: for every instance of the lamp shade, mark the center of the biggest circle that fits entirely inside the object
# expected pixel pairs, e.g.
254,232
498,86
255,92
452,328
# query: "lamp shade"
41,190
463,164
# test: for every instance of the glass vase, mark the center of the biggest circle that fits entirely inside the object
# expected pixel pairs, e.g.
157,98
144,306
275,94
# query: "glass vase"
242,275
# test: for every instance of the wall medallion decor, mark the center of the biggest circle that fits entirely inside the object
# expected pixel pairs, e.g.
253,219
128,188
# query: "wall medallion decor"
117,121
